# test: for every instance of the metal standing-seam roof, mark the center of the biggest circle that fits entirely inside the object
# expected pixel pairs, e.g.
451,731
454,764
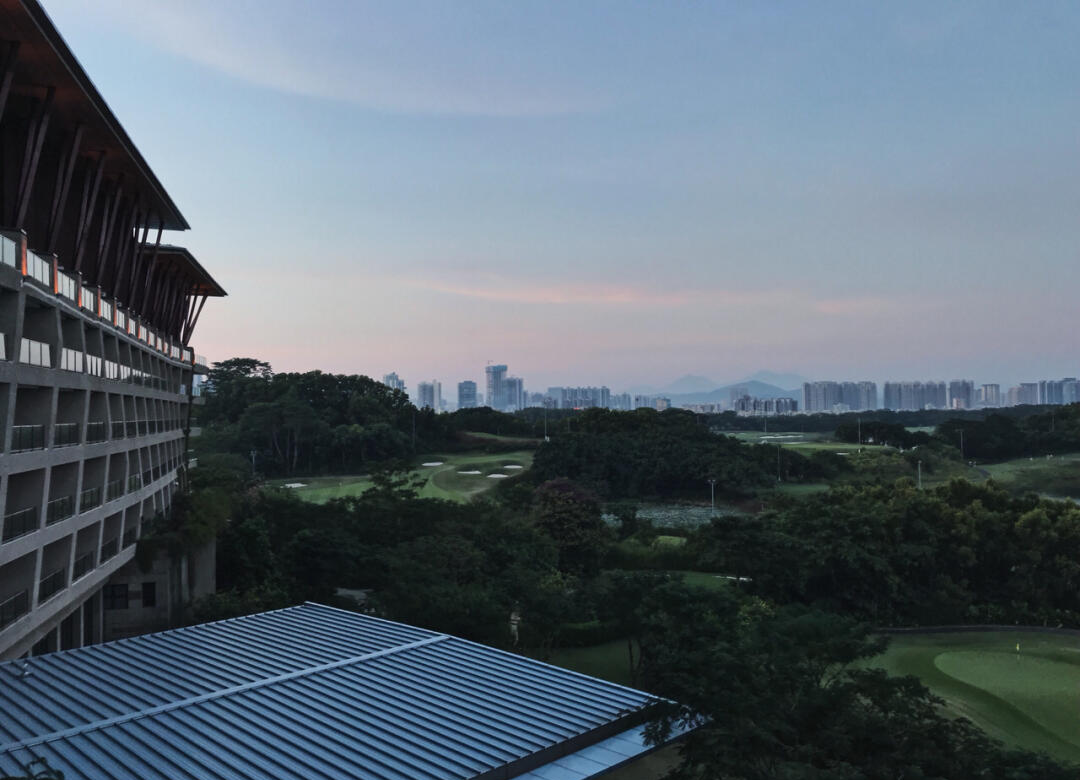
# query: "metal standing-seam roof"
306,693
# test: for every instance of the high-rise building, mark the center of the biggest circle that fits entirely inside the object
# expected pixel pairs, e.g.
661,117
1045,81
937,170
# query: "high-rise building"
748,406
96,371
622,402
429,395
961,394
466,395
990,396
839,396
496,392
514,390
1028,393
1058,391
393,381
913,396
579,397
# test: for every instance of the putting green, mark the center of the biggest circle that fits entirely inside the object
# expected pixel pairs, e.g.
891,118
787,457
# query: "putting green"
1029,699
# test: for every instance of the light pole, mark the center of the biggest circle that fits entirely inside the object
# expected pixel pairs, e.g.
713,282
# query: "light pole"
778,463
712,494
920,474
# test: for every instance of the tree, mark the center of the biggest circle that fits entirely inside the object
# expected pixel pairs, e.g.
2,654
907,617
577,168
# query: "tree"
571,516
773,693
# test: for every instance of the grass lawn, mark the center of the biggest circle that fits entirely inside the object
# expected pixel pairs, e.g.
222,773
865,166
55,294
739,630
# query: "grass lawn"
1057,477
608,661
1029,700
442,481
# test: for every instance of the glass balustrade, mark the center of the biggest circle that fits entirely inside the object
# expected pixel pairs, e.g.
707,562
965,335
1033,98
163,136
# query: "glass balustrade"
51,584
20,523
27,437
35,353
83,564
59,509
65,434
39,269
9,252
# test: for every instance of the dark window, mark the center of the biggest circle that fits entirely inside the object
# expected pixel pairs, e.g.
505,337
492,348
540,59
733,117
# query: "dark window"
116,596
149,594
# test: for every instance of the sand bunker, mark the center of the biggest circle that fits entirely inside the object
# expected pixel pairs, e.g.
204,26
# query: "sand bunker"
497,476
511,467
295,484
468,472
433,463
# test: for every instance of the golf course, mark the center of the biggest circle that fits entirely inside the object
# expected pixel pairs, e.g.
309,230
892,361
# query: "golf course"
454,477
1027,698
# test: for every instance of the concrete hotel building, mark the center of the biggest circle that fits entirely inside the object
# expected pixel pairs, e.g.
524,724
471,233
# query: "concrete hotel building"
95,318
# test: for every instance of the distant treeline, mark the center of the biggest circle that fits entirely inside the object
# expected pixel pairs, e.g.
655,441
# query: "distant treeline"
316,423
670,454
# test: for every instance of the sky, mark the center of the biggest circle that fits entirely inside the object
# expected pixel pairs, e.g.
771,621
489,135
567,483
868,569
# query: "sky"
616,192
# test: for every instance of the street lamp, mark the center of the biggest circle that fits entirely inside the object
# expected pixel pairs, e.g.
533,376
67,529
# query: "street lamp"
712,494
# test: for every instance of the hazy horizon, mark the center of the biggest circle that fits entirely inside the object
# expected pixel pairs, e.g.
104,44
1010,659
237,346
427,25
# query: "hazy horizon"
620,194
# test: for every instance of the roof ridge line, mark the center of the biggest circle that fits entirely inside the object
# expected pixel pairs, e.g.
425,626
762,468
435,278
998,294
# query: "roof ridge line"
173,705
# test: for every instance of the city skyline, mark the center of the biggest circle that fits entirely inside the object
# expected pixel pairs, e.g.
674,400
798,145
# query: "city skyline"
702,186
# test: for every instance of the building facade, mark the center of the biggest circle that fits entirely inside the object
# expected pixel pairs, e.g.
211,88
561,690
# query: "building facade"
466,395
96,314
839,396
913,396
393,381
429,395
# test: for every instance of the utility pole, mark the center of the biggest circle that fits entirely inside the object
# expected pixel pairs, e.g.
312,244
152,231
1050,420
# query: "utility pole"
712,494
777,462
920,474
252,461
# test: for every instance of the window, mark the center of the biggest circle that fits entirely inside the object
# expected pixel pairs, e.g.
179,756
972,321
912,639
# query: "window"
116,596
149,594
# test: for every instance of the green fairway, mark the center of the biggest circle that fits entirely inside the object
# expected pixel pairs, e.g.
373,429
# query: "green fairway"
444,480
1029,699
1056,477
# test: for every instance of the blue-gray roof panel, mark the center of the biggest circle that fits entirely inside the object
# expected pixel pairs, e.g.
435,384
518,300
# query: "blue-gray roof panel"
308,692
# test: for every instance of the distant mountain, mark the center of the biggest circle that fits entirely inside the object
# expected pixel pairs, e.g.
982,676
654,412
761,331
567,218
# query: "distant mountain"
691,383
773,378
753,387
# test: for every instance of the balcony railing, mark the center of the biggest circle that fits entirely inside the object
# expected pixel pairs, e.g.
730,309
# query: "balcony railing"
71,360
27,437
14,607
83,564
134,483
59,509
109,549
90,498
66,285
20,523
93,365
95,431
129,538
114,490
51,584
9,252
39,269
65,434
35,353
89,299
